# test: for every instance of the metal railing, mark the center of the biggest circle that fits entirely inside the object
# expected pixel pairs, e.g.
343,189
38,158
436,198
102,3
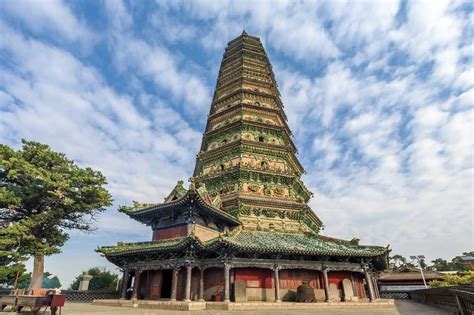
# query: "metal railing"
88,296
397,295
458,299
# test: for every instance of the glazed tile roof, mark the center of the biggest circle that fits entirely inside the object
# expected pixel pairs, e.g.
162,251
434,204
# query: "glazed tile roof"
290,243
133,248
256,241
145,214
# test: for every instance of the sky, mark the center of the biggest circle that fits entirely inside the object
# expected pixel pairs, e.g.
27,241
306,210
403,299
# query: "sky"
378,95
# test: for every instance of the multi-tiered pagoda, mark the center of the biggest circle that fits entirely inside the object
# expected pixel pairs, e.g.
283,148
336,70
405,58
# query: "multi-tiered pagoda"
243,230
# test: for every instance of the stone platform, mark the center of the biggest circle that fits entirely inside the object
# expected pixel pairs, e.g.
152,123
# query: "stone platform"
233,306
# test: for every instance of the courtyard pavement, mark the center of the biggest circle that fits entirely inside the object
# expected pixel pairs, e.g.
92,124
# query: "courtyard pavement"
401,308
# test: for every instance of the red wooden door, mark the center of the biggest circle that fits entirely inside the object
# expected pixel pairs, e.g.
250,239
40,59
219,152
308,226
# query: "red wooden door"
155,285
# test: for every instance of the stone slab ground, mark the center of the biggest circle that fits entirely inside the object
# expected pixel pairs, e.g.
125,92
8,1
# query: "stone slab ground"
238,306
400,307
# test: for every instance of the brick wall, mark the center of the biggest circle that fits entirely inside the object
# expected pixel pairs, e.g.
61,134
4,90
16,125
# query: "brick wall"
255,277
172,232
293,278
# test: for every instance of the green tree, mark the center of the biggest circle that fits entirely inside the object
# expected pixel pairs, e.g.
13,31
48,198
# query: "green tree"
423,264
456,264
11,274
49,281
440,264
398,261
24,280
43,195
11,261
101,280
465,277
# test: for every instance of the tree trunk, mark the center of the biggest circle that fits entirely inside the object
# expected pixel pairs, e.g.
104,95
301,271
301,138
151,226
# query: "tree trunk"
38,271
17,276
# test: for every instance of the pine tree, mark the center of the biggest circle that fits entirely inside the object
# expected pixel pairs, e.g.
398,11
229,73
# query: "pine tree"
43,195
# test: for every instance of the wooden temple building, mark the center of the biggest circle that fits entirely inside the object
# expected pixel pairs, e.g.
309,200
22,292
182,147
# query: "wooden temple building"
243,230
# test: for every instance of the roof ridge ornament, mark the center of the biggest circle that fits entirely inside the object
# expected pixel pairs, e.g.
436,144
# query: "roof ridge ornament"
192,182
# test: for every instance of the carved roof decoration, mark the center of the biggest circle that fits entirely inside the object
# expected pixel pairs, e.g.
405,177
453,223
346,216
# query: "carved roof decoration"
179,198
178,192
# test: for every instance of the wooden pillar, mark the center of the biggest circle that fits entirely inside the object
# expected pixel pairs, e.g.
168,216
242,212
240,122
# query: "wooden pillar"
376,288
276,272
136,285
368,279
226,283
326,286
174,283
201,285
125,278
187,296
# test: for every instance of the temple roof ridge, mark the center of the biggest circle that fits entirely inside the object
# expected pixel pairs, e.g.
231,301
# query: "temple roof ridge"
283,242
254,241
212,205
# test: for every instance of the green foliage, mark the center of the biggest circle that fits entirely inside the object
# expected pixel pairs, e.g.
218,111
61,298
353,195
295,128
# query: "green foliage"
24,280
43,194
456,264
398,261
11,261
49,281
439,264
466,277
101,280
8,273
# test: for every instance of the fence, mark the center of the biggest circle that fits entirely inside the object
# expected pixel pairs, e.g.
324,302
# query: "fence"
88,296
4,292
398,295
458,299
80,296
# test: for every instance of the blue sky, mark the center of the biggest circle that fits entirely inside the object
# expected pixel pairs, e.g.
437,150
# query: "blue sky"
378,94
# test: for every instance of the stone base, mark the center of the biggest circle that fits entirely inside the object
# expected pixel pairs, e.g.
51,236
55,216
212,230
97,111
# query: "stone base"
119,303
162,305
234,306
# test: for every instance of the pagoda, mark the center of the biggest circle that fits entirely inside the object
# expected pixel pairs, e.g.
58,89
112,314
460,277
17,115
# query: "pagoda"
243,229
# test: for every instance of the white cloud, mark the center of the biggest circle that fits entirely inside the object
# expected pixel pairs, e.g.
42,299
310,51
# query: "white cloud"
296,32
52,97
172,28
387,145
52,16
67,105
354,27
155,61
